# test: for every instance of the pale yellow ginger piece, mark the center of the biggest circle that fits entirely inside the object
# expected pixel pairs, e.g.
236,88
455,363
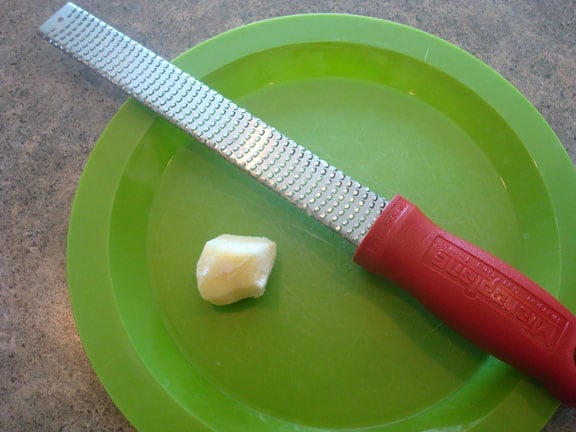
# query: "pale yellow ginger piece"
233,267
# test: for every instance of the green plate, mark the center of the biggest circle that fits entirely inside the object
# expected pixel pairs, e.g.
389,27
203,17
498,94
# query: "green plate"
329,346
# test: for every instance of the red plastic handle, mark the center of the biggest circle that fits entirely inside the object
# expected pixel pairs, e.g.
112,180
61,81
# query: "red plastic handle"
477,294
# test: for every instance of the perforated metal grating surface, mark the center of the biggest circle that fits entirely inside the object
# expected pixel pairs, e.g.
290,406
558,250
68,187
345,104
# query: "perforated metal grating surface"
316,187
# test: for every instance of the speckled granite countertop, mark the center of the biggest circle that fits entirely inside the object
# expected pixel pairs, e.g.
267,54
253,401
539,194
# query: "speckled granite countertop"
52,111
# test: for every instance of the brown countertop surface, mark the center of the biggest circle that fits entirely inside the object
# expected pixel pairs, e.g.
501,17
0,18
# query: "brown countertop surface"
52,111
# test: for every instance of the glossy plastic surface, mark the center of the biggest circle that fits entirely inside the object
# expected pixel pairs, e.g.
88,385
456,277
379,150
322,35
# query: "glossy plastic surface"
480,296
329,346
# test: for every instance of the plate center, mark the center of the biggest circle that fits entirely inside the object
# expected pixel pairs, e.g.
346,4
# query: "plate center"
328,344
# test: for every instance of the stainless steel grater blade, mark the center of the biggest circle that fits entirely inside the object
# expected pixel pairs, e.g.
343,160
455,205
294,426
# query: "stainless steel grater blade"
321,190
484,298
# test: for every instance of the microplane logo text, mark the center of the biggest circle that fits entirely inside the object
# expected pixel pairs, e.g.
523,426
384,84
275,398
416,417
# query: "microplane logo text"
480,280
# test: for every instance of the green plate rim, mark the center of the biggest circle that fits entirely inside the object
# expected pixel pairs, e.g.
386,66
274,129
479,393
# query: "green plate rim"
108,346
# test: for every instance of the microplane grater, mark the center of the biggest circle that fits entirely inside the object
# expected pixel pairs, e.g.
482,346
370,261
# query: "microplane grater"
321,190
482,297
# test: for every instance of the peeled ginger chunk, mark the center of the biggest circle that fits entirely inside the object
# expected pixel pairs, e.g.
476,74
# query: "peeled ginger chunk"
233,267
